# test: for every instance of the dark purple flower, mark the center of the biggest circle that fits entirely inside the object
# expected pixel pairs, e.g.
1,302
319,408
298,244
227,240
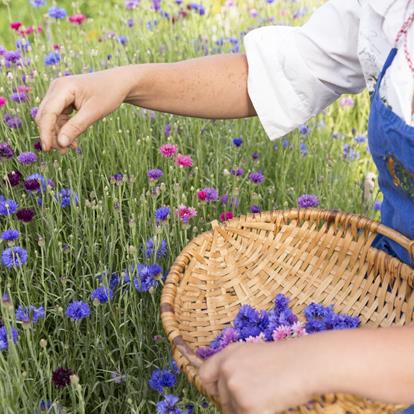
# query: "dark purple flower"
18,97
61,377
255,208
308,200
14,177
31,185
6,151
37,145
237,172
255,155
25,214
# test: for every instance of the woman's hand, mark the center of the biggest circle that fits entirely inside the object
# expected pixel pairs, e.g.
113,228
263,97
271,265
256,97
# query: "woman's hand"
263,378
93,96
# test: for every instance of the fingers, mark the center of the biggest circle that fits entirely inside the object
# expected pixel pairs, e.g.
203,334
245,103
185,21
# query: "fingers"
76,125
209,373
49,111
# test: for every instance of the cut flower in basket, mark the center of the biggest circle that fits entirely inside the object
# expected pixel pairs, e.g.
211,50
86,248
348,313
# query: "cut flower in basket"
251,325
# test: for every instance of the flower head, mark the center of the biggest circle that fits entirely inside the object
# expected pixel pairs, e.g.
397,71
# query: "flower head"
77,310
28,314
57,12
6,151
168,150
160,379
14,177
183,161
168,405
53,58
77,18
154,174
4,337
14,257
61,377
10,235
25,214
208,194
256,177
237,142
226,215
27,158
65,196
186,213
308,200
102,294
7,207
161,214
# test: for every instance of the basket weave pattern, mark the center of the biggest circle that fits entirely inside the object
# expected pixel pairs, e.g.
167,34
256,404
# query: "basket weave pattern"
310,255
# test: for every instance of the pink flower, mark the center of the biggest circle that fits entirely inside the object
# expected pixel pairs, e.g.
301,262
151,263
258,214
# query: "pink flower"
298,329
3,101
24,89
186,213
256,339
226,215
346,101
168,150
184,161
15,25
281,332
77,18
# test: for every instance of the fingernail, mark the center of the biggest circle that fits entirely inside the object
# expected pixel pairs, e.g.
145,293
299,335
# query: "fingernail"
63,140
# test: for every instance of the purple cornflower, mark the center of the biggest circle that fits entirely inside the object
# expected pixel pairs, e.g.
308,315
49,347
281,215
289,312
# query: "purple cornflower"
130,22
304,130
256,155
33,112
14,257
28,314
31,185
25,214
360,139
208,194
161,214
41,180
237,172
255,208
168,405
160,379
102,294
117,178
12,56
303,149
10,235
237,142
6,151
377,205
7,207
154,174
57,12
77,310
12,121
308,200
53,58
19,97
65,195
14,177
27,158
4,337
167,130
131,4
256,177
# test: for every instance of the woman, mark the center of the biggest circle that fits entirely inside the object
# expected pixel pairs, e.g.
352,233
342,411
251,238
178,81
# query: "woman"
287,76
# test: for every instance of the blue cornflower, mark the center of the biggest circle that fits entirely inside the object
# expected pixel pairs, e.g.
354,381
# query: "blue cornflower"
304,130
161,214
8,207
4,340
53,58
149,249
161,378
123,40
250,322
27,314
77,310
285,143
168,405
10,235
65,195
113,279
303,149
237,142
144,278
14,257
57,12
102,294
377,205
360,139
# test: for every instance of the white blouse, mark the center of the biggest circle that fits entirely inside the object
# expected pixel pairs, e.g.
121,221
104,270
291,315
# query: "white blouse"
296,72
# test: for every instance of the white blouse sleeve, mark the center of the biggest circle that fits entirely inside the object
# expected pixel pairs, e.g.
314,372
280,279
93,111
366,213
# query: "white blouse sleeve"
296,72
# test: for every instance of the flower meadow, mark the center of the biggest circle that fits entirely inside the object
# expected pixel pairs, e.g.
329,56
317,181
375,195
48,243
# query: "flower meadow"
87,239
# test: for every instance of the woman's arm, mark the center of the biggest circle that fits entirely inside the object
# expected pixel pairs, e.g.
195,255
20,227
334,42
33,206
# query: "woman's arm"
272,377
207,87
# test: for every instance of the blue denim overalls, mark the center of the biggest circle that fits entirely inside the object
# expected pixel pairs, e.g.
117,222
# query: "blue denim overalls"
391,143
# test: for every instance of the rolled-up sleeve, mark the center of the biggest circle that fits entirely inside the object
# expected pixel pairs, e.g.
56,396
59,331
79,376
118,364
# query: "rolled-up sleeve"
296,72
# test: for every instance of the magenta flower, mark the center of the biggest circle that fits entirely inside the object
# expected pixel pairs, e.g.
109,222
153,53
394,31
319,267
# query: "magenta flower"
3,101
186,213
281,332
208,194
184,161
226,215
168,150
77,18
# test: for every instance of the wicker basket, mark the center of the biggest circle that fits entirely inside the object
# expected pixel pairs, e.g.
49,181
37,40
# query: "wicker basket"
310,255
